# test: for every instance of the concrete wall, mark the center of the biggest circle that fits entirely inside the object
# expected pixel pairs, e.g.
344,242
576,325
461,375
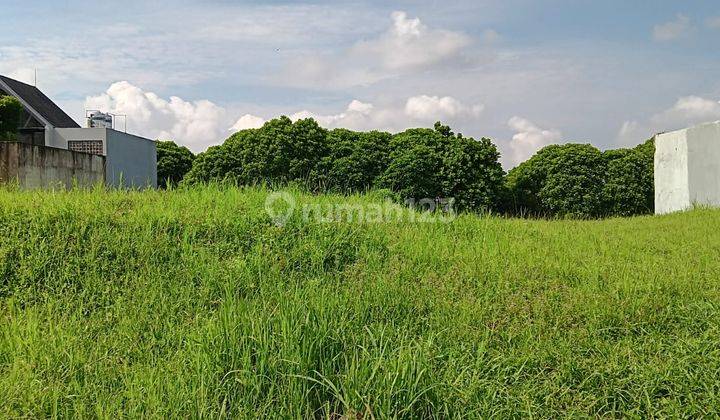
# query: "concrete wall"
46,167
687,168
131,161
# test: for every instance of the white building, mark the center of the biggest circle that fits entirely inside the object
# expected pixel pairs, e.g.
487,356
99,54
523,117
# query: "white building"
130,161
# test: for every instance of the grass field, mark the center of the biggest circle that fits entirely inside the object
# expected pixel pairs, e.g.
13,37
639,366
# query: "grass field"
195,304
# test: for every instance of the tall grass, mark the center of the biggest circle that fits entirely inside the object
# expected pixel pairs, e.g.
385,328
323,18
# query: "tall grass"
193,303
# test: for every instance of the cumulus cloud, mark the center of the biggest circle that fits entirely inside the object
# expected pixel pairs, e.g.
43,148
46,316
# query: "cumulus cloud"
247,121
408,45
686,112
528,139
434,108
689,110
358,115
196,124
672,30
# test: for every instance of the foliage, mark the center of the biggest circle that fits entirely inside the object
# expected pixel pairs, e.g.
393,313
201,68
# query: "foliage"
355,160
192,303
629,184
437,163
173,163
416,162
571,180
563,180
10,115
279,152
577,180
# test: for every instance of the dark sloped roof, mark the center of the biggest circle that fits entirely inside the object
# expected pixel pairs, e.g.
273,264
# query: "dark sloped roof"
41,104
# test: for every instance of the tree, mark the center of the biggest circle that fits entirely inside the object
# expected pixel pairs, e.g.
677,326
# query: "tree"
562,180
355,160
629,184
280,151
416,160
173,163
427,163
11,111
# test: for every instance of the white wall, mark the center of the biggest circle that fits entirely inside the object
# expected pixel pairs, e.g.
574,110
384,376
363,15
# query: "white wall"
687,168
63,135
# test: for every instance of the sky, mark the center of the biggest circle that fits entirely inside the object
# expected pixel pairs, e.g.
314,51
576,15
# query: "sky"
525,73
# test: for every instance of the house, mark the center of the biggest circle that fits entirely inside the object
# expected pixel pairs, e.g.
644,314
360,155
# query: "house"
129,160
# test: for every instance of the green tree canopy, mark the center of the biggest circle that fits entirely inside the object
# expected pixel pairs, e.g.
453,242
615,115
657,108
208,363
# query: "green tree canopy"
173,163
629,185
355,160
10,115
430,163
280,151
563,180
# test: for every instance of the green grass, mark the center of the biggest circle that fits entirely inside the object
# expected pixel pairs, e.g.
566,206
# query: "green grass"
194,304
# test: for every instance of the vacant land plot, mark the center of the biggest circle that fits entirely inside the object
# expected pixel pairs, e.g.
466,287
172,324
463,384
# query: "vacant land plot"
194,303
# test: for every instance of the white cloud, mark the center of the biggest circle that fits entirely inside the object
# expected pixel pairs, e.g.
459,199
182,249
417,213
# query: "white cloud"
415,111
713,22
687,111
195,124
435,108
247,121
358,115
529,138
672,30
407,46
362,108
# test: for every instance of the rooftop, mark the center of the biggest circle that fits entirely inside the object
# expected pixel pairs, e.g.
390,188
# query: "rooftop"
41,104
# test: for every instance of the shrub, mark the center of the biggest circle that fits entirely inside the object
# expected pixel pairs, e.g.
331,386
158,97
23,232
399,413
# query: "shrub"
562,180
10,117
629,184
173,163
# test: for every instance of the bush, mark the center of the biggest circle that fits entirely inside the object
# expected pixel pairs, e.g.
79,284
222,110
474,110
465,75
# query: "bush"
426,163
629,184
279,152
355,160
562,180
173,163
10,117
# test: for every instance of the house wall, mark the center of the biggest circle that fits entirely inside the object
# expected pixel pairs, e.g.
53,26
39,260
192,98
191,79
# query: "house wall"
63,135
46,167
687,168
131,161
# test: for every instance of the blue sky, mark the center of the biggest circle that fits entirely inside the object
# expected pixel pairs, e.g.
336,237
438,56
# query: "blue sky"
525,73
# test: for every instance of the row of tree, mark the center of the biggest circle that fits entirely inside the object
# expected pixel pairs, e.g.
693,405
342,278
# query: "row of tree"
575,180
